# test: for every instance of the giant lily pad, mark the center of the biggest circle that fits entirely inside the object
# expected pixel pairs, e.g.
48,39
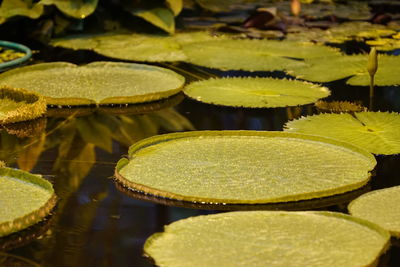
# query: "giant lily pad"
137,47
268,238
380,207
20,105
243,167
376,132
255,92
253,55
25,200
95,83
355,66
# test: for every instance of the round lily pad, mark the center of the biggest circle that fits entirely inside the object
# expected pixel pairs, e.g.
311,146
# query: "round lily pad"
18,105
268,238
95,83
25,200
255,92
380,207
376,132
243,167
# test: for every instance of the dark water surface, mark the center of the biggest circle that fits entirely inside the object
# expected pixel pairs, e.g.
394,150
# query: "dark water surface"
95,223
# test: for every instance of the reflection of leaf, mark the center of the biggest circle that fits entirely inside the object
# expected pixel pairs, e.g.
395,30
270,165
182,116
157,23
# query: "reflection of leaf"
380,207
94,132
28,157
175,5
255,92
80,166
244,167
269,238
171,120
76,8
103,82
160,17
11,8
376,132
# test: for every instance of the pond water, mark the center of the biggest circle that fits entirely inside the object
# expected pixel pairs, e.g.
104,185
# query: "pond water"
97,223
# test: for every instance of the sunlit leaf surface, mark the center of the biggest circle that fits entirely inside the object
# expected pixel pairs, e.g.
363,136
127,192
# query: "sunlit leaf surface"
160,17
11,8
380,207
79,9
255,92
243,167
268,238
95,83
25,199
376,132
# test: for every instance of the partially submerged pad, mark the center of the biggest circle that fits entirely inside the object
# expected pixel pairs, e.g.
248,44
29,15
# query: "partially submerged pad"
252,55
380,207
25,200
255,92
243,167
18,105
376,132
95,83
268,238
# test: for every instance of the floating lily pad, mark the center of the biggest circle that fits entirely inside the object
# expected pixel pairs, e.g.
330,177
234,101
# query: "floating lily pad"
355,66
243,167
268,238
376,132
380,207
137,47
26,199
255,92
253,55
18,105
95,83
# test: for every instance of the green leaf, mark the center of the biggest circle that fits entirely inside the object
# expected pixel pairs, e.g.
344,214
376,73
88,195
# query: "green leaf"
252,55
244,167
94,132
175,5
137,47
376,132
25,200
218,5
163,18
268,238
20,105
79,9
99,82
255,92
11,8
380,207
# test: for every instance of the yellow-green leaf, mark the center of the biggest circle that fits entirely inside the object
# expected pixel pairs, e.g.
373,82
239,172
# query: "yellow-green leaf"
11,8
380,207
255,92
175,5
79,9
161,17
268,238
376,132
244,167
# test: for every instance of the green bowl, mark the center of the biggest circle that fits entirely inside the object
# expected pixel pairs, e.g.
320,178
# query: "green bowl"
18,61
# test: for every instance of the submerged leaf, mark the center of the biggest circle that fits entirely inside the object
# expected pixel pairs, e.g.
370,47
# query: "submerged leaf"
25,200
339,106
95,83
243,167
255,92
380,207
20,105
268,238
253,55
376,132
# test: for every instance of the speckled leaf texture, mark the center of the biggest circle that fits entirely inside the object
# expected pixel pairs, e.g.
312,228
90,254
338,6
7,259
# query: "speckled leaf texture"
376,132
327,69
25,199
95,83
380,207
268,238
252,55
18,105
255,92
243,167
